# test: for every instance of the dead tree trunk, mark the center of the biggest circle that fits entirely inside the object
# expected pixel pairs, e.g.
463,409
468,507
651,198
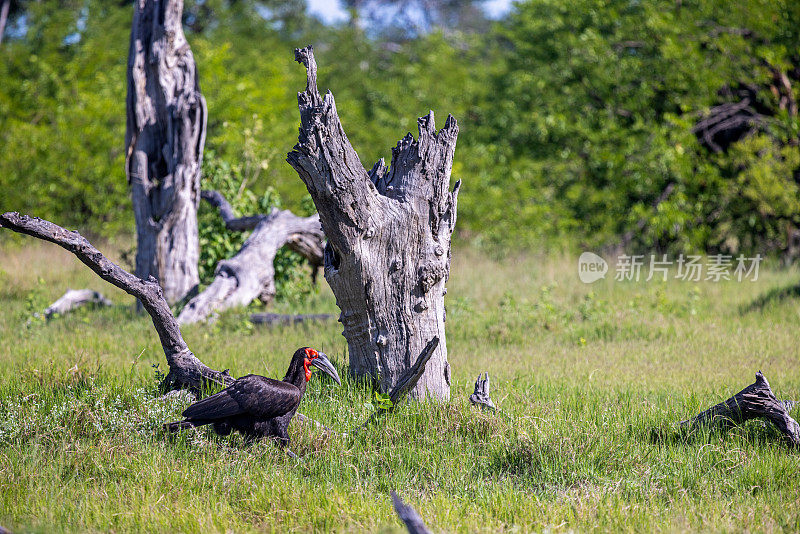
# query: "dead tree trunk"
388,252
165,134
4,17
185,370
250,274
755,401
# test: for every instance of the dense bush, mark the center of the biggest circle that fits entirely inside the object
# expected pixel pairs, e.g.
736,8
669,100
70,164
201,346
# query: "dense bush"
576,118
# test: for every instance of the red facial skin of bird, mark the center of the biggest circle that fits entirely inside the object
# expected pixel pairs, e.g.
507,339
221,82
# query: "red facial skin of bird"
310,355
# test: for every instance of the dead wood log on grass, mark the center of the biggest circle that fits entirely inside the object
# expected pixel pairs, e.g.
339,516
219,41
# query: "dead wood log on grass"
250,274
308,240
756,401
185,369
74,299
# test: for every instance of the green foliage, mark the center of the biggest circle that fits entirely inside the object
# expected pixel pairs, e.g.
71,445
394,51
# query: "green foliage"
62,117
382,401
594,114
575,117
586,430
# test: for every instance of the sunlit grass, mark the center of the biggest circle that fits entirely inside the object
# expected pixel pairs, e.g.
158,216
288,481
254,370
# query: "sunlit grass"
590,379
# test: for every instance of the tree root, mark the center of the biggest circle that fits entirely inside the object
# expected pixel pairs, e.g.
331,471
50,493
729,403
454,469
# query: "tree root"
756,401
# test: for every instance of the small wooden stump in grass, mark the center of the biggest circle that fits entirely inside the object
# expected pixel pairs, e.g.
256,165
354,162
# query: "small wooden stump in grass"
481,397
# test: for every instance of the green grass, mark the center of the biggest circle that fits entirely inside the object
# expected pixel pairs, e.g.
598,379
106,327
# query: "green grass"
591,381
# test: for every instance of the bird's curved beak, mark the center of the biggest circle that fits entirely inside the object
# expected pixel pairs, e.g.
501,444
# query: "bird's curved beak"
322,363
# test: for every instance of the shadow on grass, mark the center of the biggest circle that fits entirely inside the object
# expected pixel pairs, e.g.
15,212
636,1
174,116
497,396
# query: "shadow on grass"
775,295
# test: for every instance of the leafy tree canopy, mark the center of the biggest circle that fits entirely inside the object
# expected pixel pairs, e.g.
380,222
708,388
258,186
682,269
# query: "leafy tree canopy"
675,123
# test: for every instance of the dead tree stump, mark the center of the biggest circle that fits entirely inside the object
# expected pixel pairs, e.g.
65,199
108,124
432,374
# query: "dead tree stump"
481,397
165,134
388,254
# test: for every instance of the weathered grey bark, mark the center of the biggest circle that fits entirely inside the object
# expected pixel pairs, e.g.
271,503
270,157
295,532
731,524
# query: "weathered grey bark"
250,274
185,369
74,299
755,401
409,516
388,252
480,397
165,134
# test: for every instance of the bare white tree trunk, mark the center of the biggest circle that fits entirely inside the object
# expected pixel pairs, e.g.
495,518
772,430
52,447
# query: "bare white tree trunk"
388,254
166,123
4,17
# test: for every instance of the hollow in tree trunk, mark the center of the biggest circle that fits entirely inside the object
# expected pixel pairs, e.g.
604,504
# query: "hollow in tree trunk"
388,254
166,122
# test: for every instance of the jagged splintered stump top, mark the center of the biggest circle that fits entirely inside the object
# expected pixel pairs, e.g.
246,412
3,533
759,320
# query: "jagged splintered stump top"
388,254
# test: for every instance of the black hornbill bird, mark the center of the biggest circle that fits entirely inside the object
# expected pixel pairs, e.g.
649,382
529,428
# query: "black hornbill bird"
257,406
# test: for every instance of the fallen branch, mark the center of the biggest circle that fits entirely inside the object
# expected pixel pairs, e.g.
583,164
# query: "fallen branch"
410,378
250,274
277,319
74,299
755,401
409,516
407,382
308,244
726,123
185,369
481,396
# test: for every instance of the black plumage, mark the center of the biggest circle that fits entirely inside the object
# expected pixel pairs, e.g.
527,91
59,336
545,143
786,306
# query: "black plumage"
257,406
